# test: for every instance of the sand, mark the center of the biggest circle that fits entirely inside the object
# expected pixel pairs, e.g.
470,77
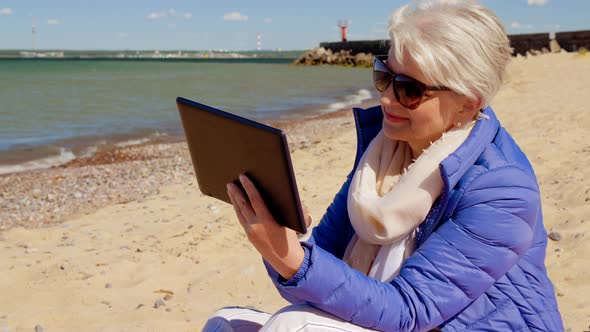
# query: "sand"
103,269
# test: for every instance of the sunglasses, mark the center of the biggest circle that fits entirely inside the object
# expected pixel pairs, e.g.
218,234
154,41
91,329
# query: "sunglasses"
408,91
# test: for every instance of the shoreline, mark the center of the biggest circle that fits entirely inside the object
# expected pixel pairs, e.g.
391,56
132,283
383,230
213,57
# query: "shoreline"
122,174
87,147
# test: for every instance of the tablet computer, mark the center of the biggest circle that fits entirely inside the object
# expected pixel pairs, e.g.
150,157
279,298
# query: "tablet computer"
223,145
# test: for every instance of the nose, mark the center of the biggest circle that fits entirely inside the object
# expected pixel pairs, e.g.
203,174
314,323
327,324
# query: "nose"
387,97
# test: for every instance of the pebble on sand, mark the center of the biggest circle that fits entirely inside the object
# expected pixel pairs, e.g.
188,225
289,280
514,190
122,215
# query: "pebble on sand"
39,328
159,303
554,236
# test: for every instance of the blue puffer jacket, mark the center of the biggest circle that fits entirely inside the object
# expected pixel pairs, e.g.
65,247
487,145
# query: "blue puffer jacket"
479,260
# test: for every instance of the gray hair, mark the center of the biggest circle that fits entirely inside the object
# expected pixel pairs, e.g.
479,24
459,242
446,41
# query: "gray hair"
459,44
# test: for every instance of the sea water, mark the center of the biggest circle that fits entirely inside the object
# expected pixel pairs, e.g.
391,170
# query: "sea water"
52,111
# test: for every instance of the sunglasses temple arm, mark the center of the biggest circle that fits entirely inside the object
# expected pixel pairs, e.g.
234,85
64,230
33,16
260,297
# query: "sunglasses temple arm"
437,88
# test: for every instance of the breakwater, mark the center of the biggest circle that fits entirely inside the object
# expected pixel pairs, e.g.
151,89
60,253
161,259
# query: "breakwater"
570,41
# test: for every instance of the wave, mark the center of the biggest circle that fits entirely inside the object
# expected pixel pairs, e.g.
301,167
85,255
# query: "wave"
93,149
351,100
64,156
138,141
132,142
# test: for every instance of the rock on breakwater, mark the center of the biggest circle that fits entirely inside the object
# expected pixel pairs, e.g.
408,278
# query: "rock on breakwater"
321,56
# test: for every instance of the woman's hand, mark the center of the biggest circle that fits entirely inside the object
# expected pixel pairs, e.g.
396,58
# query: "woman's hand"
278,245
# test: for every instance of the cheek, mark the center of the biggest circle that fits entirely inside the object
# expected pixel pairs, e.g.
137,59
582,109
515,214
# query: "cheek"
428,122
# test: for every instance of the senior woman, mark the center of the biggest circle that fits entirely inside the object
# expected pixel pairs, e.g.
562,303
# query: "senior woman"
439,224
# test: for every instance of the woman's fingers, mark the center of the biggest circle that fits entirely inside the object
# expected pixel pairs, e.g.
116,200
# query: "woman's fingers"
241,218
237,197
256,200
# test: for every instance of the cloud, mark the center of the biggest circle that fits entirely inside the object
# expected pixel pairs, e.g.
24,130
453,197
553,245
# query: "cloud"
170,13
123,35
52,21
171,26
234,16
156,16
268,20
520,26
537,2
5,11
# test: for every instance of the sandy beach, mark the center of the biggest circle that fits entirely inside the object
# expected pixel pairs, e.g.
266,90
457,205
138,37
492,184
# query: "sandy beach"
124,240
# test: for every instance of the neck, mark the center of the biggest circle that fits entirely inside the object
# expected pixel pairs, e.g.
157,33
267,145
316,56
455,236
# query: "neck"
419,147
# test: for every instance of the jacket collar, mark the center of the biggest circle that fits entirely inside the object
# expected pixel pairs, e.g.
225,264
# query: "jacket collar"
369,122
452,168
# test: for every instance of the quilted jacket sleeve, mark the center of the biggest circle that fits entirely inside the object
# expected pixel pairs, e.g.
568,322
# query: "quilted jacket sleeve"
334,231
491,228
332,235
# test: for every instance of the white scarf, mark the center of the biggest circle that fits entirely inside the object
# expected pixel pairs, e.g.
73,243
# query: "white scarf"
390,196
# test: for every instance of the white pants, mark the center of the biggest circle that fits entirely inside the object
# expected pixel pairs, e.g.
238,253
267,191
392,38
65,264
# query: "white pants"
300,317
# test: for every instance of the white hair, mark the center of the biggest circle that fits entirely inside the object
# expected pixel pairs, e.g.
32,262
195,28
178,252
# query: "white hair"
459,44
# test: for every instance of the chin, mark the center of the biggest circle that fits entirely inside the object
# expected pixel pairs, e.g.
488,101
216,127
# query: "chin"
395,133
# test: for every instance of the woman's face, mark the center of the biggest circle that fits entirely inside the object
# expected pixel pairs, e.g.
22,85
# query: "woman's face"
439,111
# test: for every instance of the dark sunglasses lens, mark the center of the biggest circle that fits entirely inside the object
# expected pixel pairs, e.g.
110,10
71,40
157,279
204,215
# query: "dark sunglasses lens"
381,75
381,80
409,91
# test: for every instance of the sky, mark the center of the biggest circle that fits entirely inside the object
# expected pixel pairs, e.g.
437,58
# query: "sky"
235,24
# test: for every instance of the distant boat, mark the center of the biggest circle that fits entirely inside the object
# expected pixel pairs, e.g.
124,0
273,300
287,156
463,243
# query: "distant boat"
26,54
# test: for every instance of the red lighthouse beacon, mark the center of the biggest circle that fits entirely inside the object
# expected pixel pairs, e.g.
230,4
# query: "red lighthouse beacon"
343,25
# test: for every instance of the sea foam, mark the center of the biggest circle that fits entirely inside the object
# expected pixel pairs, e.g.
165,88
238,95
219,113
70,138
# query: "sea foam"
61,158
351,100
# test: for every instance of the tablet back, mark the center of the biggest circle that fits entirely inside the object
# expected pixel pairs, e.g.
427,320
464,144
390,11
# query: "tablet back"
223,145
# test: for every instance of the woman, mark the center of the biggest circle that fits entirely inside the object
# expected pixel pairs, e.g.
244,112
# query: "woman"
439,224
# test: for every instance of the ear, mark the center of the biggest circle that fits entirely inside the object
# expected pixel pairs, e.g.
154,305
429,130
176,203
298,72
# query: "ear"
470,108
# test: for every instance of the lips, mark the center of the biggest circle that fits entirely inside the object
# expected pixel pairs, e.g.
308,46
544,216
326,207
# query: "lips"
393,118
